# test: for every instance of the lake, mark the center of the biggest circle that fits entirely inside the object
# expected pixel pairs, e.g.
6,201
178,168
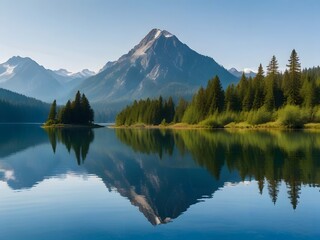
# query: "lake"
155,184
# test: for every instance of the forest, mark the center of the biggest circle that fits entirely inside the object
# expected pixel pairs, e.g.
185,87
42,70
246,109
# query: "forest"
77,112
19,108
290,98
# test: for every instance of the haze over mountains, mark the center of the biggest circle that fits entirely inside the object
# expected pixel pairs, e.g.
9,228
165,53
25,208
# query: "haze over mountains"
25,76
159,65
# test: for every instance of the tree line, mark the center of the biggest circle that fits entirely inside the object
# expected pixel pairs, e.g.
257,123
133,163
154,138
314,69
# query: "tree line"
269,95
148,111
77,111
16,107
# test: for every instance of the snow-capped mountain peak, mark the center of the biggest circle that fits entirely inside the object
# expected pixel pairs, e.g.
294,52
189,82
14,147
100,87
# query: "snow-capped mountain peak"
160,64
63,72
83,74
247,71
149,41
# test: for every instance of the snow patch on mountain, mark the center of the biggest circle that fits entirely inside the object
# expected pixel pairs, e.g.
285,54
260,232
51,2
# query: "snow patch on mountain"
154,72
248,70
8,73
157,34
83,74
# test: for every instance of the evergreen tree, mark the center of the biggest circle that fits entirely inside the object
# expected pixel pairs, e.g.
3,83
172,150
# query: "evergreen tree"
248,99
180,110
169,110
271,88
76,108
258,83
200,105
309,93
217,99
53,111
293,91
273,67
231,99
242,87
87,114
78,111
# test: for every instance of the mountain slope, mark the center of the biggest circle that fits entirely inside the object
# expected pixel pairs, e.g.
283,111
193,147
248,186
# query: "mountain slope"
159,65
15,107
25,76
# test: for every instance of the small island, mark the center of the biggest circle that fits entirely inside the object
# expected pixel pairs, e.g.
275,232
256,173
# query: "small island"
75,114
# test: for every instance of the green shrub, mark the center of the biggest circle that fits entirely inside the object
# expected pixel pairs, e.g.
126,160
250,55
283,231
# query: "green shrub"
191,115
218,120
292,117
260,116
211,122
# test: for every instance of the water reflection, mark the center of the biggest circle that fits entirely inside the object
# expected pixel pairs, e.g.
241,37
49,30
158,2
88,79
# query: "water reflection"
18,137
77,139
163,172
267,156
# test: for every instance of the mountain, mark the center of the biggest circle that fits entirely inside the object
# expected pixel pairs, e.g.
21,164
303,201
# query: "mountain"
25,76
238,74
83,74
15,107
159,65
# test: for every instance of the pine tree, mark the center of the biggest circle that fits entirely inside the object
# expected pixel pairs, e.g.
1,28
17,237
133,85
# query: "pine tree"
217,99
271,89
180,110
169,110
200,104
294,86
248,98
309,93
231,99
76,108
53,112
86,111
242,87
273,67
258,83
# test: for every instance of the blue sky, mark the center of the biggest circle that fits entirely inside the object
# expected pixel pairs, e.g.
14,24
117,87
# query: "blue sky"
77,34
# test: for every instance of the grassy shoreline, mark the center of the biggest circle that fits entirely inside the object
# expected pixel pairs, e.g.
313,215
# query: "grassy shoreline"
233,125
71,126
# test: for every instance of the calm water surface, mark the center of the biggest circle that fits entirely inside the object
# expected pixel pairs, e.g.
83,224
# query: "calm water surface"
151,184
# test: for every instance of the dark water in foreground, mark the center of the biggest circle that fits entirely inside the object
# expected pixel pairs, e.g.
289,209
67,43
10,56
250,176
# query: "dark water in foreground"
151,184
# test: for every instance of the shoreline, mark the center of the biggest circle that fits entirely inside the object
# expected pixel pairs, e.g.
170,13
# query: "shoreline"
71,126
241,125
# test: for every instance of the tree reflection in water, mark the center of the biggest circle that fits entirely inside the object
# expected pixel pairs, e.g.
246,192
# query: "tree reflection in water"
269,157
77,139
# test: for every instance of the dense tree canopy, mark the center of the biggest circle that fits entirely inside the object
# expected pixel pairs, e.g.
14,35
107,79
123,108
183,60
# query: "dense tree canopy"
148,111
78,111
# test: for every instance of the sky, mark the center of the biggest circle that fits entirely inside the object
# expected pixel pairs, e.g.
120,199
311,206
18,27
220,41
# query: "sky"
79,34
